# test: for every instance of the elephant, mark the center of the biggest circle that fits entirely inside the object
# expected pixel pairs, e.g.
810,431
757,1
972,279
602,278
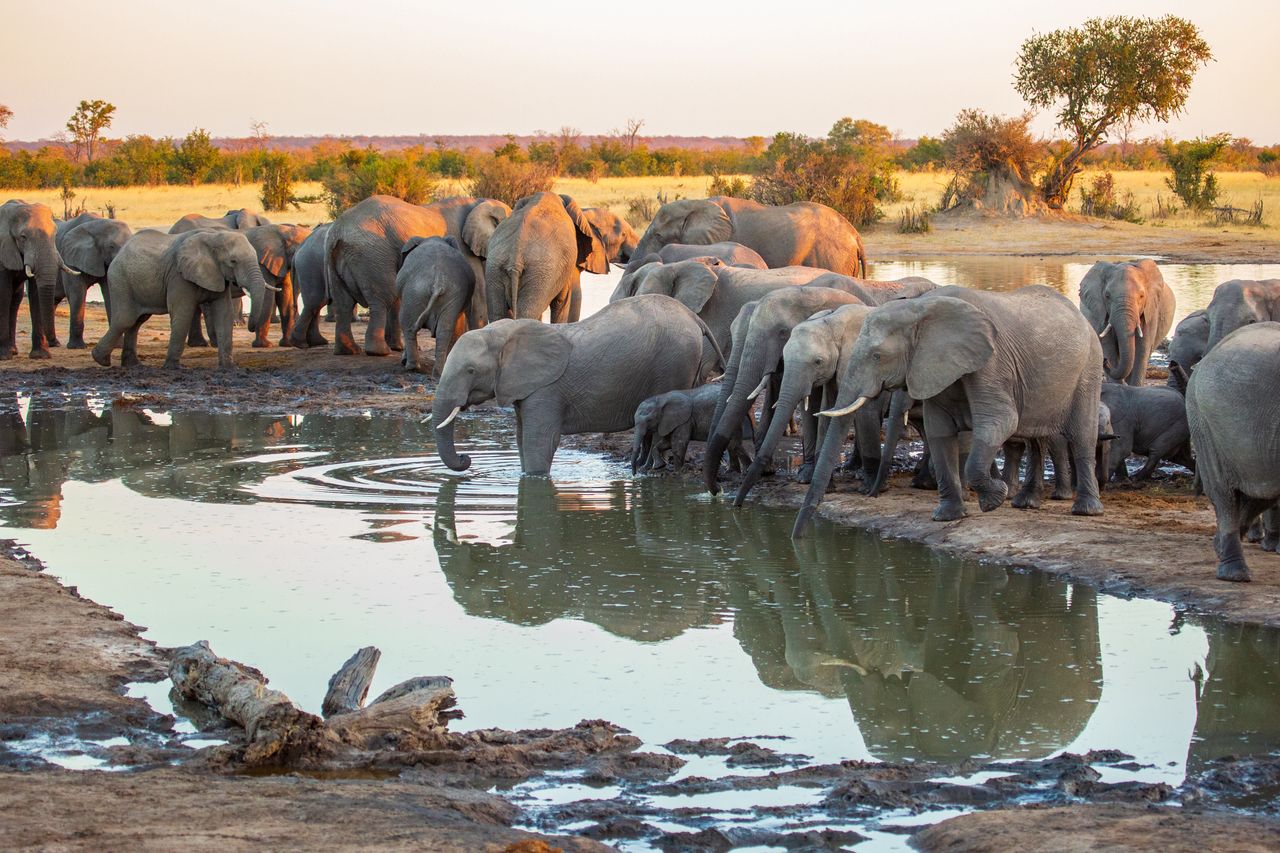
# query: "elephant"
233,220
1236,437
1150,421
1057,448
434,287
471,222
1190,340
670,421
177,274
1131,308
277,247
1021,364
28,256
619,237
1240,302
800,234
733,254
571,378
308,283
88,244
362,257
536,257
711,289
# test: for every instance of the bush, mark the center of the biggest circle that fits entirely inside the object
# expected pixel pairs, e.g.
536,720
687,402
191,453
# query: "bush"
734,186
1192,180
1099,199
510,180
640,210
362,174
914,220
990,154
277,183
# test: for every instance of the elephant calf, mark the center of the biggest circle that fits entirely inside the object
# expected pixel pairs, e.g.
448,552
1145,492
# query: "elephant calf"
570,378
1147,420
434,286
668,422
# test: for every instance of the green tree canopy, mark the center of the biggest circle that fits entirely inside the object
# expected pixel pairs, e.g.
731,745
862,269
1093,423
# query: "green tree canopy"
87,123
195,156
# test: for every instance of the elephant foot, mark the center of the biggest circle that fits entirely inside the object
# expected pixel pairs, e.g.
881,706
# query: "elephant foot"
40,354
1254,534
130,361
76,343
805,473
376,348
285,342
1087,505
53,343
200,343
1061,494
103,358
259,343
170,364
1234,570
6,355
318,341
989,499
949,511
1022,500
341,347
1270,541
924,482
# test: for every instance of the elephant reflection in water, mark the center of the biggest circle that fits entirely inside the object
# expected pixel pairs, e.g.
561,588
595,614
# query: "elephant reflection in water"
1238,700
577,555
941,662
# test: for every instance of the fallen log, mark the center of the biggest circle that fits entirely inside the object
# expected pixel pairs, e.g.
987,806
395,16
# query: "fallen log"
279,733
412,715
350,685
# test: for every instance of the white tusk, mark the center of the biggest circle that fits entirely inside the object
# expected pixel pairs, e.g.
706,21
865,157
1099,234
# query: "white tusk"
27,270
1103,333
271,287
808,402
847,410
906,419
68,270
444,423
1139,329
760,387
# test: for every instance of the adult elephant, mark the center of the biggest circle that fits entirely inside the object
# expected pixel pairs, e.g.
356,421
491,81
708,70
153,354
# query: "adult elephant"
177,274
1238,303
1024,364
732,254
277,247
471,222
233,220
88,244
571,378
308,283
28,256
537,256
1190,341
1236,436
362,257
619,237
801,234
1131,309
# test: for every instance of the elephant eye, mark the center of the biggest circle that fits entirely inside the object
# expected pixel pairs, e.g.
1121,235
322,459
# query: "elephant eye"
875,356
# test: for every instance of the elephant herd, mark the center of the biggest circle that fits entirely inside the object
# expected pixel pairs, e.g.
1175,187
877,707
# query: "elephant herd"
773,298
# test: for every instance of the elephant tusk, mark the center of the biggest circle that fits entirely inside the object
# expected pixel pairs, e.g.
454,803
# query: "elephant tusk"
760,387
808,402
847,410
1103,333
68,270
271,287
1139,327
28,271
444,423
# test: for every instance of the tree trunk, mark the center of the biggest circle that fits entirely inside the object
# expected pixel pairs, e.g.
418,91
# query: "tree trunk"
350,685
411,715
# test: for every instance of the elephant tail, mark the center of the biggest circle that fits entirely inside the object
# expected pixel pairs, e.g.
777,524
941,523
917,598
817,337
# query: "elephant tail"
513,291
420,323
862,258
721,363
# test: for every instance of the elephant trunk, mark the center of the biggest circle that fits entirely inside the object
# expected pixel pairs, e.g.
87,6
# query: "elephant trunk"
758,359
828,458
42,265
640,445
1124,325
261,298
444,411
790,394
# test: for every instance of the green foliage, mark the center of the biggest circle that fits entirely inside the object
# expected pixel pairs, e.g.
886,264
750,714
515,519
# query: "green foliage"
734,186
194,157
86,125
1099,199
360,174
510,180
1190,161
1108,71
277,183
985,150
927,153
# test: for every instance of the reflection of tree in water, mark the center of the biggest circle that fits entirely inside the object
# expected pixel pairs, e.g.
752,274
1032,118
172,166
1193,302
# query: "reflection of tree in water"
1238,702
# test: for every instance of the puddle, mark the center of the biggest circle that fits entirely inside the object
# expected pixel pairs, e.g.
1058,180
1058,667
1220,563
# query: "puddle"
290,542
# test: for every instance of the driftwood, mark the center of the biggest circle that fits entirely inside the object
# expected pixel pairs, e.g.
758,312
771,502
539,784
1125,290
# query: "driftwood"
350,684
279,732
411,715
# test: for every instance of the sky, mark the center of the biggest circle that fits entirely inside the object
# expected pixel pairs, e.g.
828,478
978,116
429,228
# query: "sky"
696,67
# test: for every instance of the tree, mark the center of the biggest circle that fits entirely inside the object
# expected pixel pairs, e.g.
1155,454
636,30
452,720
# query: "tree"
5,115
1190,161
258,132
195,156
86,125
993,158
1107,72
632,132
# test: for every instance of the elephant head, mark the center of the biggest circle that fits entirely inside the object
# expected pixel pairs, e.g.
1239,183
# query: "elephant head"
27,245
216,260
592,255
695,221
480,224
91,246
656,418
244,219
1119,301
1190,341
690,282
1239,303
276,246
505,361
619,237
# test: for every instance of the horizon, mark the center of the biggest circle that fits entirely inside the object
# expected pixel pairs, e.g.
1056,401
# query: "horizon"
418,73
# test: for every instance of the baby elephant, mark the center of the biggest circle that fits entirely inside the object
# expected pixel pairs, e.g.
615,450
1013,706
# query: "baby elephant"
1147,420
670,421
434,284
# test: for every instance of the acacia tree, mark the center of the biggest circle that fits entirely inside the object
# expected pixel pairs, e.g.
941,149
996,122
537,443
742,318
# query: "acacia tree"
1105,73
5,115
87,123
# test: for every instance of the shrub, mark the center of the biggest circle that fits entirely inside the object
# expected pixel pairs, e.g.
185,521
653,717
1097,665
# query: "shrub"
362,174
510,180
991,155
914,220
640,210
734,186
277,183
1099,199
1192,180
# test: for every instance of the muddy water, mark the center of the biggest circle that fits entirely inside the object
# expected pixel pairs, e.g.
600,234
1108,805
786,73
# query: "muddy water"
289,542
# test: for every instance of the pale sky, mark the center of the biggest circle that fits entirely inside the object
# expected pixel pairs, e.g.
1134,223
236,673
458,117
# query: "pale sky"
687,68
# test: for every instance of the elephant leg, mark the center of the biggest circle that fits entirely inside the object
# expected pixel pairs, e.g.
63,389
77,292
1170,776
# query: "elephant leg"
1233,516
540,436
866,427
1254,533
680,438
575,302
1082,442
129,349
1013,453
375,333
261,337
1165,446
1031,494
75,308
195,337
222,316
561,307
344,307
41,316
395,336
288,304
181,318
946,467
10,300
1271,528
1063,472
237,314
808,442
922,476
982,453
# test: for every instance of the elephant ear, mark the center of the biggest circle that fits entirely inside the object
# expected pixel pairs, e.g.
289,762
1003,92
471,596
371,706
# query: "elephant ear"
272,254
80,252
10,254
706,223
952,339
481,223
535,355
409,245
592,255
195,262
675,413
696,282
521,204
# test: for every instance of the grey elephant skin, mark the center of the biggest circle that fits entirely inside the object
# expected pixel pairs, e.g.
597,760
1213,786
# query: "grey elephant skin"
178,274
309,284
733,254
1150,421
233,220
618,236
801,234
1235,431
435,284
28,257
1131,308
1022,364
1238,303
571,378
88,244
1189,344
668,422
362,256
537,256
